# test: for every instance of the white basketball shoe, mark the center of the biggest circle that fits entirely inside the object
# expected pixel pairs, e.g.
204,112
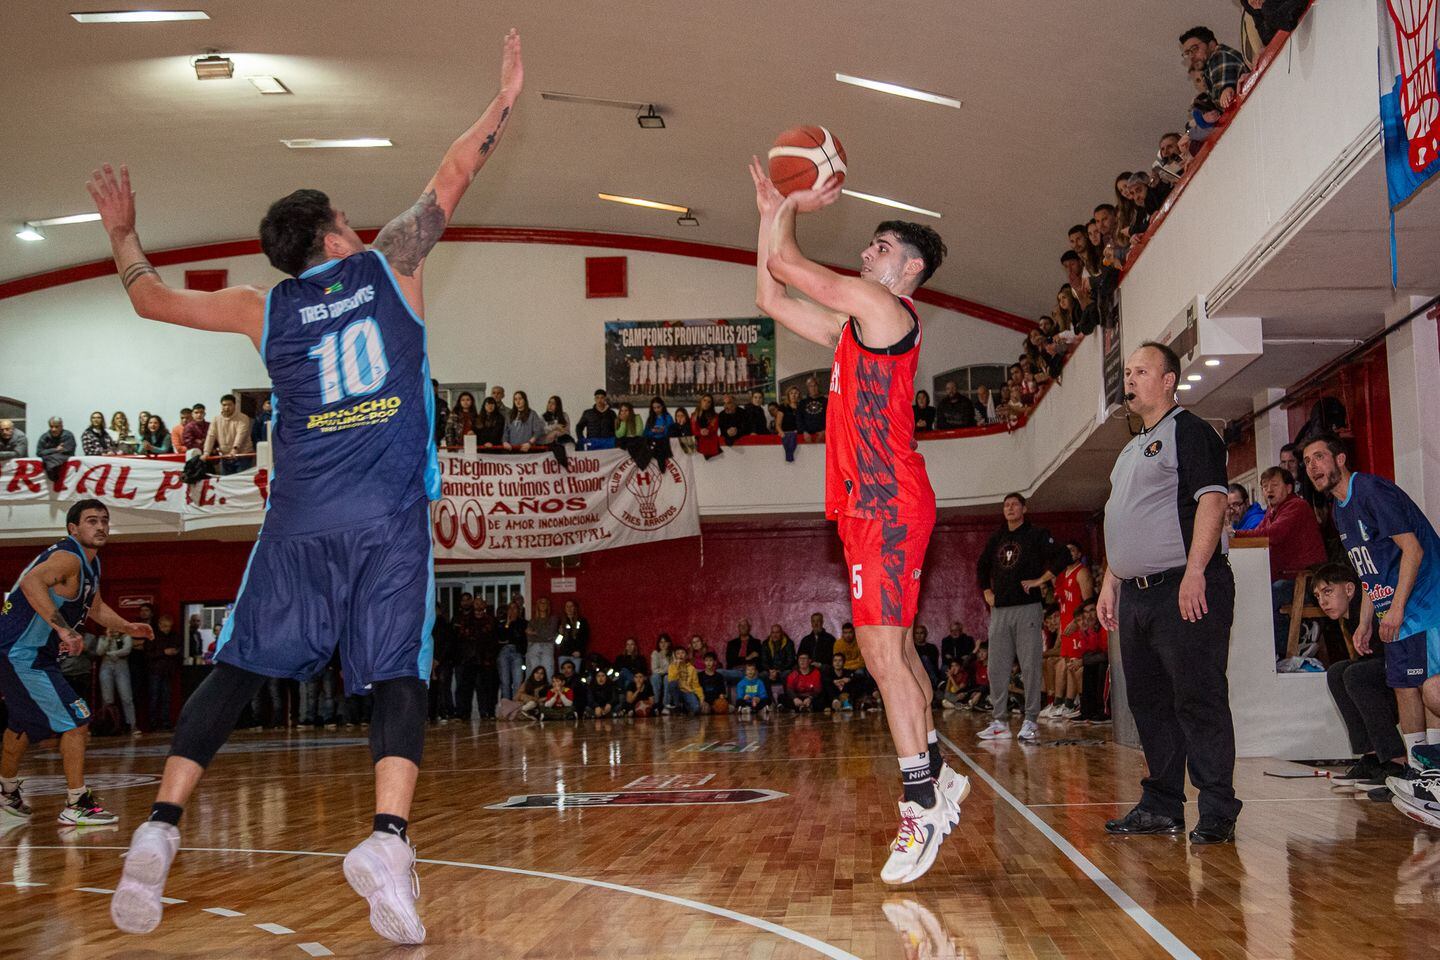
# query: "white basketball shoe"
135,906
382,870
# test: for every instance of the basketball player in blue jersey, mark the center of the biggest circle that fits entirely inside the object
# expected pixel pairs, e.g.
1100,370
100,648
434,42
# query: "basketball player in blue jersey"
38,621
344,555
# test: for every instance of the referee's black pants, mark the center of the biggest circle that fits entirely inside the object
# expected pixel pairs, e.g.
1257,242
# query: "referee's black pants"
1176,686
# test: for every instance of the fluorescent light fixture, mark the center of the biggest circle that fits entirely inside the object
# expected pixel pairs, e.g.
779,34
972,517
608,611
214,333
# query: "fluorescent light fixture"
139,16
30,232
1194,378
309,144
898,90
559,97
212,66
887,202
73,218
1185,386
640,202
1212,362
268,85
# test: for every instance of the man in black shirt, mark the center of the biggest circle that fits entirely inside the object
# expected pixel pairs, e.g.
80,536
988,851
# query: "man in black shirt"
756,420
734,422
740,650
810,418
597,423
819,643
1013,565
954,409
957,645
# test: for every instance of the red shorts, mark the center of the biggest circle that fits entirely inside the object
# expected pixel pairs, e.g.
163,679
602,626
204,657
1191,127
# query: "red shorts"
884,559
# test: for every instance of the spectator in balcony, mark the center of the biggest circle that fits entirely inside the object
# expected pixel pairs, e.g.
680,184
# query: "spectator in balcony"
812,410
177,432
260,425
955,409
819,643
229,438
1066,312
734,422
1086,262
756,421
1295,544
1169,165
95,440
125,441
557,423
787,422
658,423
525,427
55,448
12,442
683,430
1291,465
1243,514
706,427
464,419
984,404
597,423
442,412
1124,206
1224,66
1261,20
804,687
777,657
197,428
497,392
154,438
924,412
490,423
957,644
1105,224
1052,360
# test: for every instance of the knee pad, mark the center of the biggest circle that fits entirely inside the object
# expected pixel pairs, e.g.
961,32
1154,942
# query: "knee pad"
397,723
211,712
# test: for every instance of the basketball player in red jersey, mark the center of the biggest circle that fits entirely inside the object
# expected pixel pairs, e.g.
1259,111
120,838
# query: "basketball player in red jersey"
876,487
1072,589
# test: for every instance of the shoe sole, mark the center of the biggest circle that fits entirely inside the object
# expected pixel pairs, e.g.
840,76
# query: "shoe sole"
983,735
368,876
927,858
1415,813
135,906
84,821
15,813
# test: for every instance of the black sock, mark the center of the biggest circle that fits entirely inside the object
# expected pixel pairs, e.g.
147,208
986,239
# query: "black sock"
388,823
936,761
915,775
166,813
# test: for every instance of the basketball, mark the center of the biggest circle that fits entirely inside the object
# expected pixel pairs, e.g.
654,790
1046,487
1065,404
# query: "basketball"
804,156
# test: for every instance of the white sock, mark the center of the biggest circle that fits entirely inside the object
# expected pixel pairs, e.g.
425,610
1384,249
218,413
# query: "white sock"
9,785
73,795
934,736
1412,740
1432,735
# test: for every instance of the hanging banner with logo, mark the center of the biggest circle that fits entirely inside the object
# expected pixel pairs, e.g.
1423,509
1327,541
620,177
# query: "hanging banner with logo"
681,359
1409,104
498,507
135,484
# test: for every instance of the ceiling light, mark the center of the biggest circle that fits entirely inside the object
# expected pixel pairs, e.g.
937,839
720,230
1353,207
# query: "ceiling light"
650,120
1185,386
139,16
559,97
30,232
887,202
268,85
1212,363
688,220
898,90
308,144
73,218
1194,378
639,202
212,66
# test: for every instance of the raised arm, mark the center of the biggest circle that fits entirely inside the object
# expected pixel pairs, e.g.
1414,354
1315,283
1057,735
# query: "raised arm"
408,238
232,310
807,320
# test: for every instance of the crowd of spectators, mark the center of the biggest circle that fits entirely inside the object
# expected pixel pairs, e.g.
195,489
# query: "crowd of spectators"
134,683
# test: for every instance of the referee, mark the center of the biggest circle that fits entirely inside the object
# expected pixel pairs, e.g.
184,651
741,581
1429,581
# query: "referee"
1170,594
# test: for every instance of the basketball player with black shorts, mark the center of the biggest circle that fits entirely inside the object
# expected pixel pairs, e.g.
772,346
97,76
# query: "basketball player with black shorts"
876,487
344,556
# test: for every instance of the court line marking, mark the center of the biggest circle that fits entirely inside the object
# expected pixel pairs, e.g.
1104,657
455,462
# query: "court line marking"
316,949
312,948
274,928
794,936
23,883
104,891
222,912
1191,803
1158,932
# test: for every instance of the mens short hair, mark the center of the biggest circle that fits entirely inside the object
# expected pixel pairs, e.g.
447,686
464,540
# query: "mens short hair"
78,508
1078,228
1273,472
1334,444
1069,255
922,239
1240,489
230,397
1016,495
1169,359
1203,34
1332,572
1104,206
292,235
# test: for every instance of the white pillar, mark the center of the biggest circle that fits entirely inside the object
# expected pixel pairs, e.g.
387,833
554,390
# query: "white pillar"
1413,359
1272,428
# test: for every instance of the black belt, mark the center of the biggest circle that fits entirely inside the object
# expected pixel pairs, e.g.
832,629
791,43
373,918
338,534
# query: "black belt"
1174,573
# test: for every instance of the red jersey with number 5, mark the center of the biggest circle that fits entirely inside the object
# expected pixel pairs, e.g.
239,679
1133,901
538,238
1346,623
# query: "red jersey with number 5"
872,469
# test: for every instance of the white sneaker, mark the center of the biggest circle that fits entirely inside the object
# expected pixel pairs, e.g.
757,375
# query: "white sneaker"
1029,732
918,841
954,788
382,870
995,731
1049,711
135,907
1070,713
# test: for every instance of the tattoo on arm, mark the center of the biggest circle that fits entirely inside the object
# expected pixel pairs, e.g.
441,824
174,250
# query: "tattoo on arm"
489,142
135,271
408,238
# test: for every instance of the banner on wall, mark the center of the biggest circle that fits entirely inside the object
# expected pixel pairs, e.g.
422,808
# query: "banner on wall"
134,484
1409,103
681,359
498,507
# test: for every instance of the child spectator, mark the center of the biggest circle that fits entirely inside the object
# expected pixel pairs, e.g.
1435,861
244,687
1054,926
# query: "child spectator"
603,695
559,702
712,687
751,694
839,682
639,698
804,687
660,666
953,691
682,686
1095,669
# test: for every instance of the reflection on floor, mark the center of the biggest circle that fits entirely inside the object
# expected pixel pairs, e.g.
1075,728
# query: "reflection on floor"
716,837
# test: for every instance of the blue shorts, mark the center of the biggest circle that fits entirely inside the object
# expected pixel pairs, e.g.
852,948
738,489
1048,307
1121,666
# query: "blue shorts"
40,701
368,588
1409,660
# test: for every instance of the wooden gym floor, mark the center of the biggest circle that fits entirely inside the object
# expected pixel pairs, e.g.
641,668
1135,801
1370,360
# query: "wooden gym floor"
780,860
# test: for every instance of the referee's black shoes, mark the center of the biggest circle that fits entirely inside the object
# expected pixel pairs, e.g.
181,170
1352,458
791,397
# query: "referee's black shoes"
1142,822
1213,830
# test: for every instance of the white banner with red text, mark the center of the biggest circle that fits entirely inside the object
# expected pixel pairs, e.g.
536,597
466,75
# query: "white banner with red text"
528,506
134,483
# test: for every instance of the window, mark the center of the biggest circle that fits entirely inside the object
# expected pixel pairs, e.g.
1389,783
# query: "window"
968,379
12,409
821,375
496,589
200,625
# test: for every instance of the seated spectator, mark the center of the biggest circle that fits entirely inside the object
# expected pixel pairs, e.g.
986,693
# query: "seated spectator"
841,685
659,422
604,695
557,423
756,421
929,656
682,686
229,438
529,698
777,658
1224,67
125,441
574,682
712,686
734,422
559,701
490,424
956,645
751,694
628,425
260,424
698,649
683,430
848,647
95,440
660,659
819,643
630,662
12,442
924,412
1242,514
1295,545
524,427
1094,644
55,448
955,410
706,427
804,687
984,405
810,419
1365,701
639,697
597,423
743,648
954,690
